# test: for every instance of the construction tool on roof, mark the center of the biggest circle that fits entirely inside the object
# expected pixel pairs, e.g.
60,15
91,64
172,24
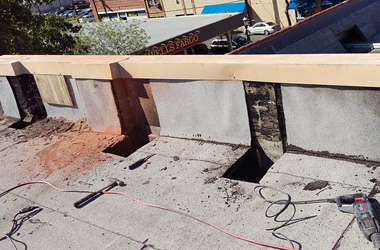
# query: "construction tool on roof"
359,205
92,196
140,162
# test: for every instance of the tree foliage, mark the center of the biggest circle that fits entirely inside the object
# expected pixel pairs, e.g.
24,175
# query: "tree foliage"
23,32
121,38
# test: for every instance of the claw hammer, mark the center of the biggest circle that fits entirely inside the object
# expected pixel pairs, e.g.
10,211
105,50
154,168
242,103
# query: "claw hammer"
113,183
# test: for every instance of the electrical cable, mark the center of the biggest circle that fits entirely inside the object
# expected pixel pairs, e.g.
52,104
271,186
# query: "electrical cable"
10,238
153,206
17,223
263,187
287,203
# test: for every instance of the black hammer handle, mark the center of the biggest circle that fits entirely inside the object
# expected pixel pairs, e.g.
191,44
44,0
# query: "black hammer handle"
78,204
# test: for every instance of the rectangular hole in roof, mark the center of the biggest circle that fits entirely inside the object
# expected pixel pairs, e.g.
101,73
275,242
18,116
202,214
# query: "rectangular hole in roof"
251,167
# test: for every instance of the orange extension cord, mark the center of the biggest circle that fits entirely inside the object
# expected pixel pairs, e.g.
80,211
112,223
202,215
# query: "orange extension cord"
153,206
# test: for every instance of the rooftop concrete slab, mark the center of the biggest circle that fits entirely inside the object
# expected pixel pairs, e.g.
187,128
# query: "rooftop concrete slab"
184,175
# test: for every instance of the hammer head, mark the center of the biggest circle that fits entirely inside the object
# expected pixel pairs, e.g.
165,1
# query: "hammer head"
117,182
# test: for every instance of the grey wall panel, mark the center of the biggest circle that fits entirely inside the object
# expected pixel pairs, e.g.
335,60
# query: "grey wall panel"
340,121
208,110
7,99
99,105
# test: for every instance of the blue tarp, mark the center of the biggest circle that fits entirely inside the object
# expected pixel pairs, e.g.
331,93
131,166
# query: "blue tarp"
224,8
310,4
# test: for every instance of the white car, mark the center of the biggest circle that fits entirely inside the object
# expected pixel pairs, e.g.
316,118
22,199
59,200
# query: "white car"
87,18
263,28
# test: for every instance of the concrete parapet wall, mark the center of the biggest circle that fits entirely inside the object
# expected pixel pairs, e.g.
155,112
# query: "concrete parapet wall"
333,120
203,97
343,69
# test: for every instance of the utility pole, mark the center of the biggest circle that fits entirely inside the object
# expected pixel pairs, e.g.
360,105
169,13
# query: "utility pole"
318,7
249,11
194,9
184,8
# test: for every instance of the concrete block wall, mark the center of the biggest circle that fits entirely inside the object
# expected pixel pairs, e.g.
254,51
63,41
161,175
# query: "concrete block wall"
318,34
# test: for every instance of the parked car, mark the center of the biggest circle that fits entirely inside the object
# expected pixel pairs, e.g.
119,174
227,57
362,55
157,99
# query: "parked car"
220,45
84,12
87,18
263,28
58,12
66,13
72,13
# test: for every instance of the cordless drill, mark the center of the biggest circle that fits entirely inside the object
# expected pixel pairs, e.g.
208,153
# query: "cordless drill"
359,205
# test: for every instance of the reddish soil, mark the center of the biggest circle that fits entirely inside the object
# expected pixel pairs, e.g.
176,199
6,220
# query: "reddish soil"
83,150
77,147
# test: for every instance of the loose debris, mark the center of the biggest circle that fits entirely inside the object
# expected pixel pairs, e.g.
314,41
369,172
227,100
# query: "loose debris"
315,185
233,194
65,144
209,180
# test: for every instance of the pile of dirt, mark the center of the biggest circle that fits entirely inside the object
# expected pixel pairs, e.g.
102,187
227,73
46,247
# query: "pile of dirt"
68,144
82,150
49,126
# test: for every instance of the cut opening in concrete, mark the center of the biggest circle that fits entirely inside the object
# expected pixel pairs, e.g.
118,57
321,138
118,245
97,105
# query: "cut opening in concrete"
123,148
20,124
249,167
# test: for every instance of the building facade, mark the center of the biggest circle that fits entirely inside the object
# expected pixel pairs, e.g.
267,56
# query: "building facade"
117,9
259,10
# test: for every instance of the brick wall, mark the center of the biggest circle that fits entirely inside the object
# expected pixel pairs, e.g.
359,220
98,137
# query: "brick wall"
117,5
28,98
131,114
266,118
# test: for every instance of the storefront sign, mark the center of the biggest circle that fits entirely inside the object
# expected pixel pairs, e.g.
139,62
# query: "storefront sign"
176,45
